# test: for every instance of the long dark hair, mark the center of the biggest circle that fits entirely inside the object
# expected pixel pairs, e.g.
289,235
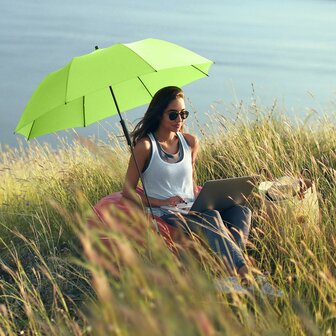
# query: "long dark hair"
151,120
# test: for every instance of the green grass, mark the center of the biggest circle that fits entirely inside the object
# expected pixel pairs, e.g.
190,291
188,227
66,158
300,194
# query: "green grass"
58,278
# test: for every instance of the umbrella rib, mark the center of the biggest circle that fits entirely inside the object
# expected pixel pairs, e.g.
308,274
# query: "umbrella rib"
31,130
204,73
139,56
145,86
84,111
67,82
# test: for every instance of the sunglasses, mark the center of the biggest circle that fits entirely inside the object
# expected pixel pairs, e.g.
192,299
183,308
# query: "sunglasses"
173,114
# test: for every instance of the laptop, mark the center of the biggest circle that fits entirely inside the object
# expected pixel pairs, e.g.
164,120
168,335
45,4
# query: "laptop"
219,195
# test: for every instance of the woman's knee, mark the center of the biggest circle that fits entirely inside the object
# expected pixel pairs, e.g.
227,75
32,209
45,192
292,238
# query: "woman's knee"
213,214
213,218
246,213
244,209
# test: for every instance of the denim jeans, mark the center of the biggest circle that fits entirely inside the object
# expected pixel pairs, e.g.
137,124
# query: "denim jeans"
226,231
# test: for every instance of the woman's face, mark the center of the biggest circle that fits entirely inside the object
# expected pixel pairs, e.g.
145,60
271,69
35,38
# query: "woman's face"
171,119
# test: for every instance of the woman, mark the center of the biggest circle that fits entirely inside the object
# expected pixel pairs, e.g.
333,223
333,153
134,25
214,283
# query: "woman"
166,157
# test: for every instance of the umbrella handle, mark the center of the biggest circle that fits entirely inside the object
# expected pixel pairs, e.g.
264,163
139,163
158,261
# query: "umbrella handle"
129,142
126,133
143,184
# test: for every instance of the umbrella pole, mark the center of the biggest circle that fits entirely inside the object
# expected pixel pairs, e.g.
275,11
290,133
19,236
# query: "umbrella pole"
129,142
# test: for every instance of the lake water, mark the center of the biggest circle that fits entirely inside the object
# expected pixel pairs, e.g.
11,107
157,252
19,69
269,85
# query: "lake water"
286,48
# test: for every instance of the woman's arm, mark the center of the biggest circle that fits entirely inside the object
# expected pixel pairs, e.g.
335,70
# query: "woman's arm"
142,152
193,143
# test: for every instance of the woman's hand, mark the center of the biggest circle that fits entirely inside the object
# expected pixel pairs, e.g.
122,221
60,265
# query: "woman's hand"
173,201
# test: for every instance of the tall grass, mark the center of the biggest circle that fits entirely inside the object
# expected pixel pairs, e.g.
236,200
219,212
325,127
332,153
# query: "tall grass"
59,277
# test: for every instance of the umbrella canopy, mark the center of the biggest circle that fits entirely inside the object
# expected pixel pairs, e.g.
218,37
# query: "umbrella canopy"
79,94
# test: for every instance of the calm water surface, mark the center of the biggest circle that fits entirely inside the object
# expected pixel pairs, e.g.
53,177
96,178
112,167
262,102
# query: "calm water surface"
286,48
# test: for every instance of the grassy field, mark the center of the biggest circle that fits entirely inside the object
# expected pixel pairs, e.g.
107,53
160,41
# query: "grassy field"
58,278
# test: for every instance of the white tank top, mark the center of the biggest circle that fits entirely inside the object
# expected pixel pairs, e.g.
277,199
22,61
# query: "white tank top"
163,180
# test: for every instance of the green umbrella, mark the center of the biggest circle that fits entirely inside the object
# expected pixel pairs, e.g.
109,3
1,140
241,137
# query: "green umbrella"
106,82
